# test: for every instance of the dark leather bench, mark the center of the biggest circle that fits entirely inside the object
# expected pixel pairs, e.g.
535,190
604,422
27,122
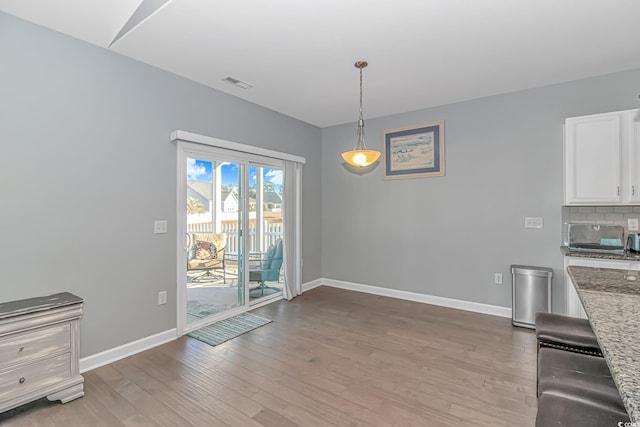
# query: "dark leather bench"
557,410
575,386
576,389
566,333
579,376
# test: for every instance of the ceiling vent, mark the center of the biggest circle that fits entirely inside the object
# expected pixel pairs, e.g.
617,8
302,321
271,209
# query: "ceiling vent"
238,83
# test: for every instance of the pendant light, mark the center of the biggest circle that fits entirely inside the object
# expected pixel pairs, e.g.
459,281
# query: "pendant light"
360,156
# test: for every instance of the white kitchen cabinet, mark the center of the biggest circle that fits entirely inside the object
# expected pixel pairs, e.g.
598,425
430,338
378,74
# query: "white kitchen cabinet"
573,305
602,159
632,121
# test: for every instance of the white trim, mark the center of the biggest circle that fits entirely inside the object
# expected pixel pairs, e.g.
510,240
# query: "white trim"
181,229
214,153
109,356
181,135
243,237
312,284
423,298
298,227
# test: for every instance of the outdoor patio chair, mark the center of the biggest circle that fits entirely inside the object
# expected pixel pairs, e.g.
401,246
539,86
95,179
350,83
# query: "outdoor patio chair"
206,253
268,268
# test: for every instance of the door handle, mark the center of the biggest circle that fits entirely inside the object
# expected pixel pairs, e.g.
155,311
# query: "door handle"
187,241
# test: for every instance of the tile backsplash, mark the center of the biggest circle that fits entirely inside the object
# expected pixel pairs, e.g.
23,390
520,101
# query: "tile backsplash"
606,215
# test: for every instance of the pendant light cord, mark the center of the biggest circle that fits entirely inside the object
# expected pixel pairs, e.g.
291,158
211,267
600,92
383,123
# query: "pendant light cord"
360,93
360,144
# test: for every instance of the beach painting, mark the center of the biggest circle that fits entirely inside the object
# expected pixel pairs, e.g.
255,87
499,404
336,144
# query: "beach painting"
416,151
412,151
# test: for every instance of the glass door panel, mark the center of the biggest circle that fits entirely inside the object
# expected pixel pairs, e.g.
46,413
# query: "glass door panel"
265,255
214,236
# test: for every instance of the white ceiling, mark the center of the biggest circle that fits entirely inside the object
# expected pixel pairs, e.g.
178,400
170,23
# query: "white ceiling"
299,54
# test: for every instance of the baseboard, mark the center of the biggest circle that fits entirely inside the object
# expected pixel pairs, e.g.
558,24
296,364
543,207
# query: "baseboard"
414,296
312,284
100,359
108,356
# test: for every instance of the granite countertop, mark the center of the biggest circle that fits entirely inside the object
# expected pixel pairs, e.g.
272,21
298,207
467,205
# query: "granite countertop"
19,307
611,302
600,255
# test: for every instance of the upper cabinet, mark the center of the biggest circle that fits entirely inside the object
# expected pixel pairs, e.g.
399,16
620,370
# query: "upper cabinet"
633,150
602,159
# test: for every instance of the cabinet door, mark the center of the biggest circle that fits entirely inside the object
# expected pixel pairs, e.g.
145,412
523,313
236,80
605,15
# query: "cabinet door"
592,159
632,121
573,306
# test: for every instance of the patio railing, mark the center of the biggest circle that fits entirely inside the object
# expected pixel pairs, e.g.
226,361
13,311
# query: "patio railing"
271,231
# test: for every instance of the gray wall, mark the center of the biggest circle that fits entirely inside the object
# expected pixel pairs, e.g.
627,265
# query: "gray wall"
448,236
86,166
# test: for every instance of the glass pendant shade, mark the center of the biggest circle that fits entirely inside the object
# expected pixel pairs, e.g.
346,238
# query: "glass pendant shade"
360,156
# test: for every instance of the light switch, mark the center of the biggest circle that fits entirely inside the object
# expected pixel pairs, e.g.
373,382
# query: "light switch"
162,297
533,222
160,227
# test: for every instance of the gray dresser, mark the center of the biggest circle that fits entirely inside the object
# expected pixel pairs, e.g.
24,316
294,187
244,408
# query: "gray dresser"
40,350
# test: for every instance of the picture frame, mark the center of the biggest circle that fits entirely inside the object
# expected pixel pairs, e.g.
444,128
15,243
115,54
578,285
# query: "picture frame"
415,151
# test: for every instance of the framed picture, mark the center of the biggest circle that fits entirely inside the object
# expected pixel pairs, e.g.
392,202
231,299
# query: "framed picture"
414,152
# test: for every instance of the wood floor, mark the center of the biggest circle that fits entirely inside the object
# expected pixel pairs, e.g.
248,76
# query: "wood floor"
330,358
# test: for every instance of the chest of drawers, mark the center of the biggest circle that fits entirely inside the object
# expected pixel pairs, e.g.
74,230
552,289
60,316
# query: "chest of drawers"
40,350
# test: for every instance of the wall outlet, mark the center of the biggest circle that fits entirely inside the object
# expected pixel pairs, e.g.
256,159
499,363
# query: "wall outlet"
160,227
632,224
533,222
497,278
162,297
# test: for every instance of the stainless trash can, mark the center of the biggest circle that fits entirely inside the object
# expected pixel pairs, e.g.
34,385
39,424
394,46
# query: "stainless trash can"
531,294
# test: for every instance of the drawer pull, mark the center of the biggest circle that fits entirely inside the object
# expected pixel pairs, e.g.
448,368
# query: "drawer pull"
21,349
22,380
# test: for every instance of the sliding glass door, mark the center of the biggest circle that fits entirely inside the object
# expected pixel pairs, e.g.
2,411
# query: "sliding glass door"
214,237
266,257
233,233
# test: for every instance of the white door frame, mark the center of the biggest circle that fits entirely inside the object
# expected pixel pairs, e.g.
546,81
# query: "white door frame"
227,150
